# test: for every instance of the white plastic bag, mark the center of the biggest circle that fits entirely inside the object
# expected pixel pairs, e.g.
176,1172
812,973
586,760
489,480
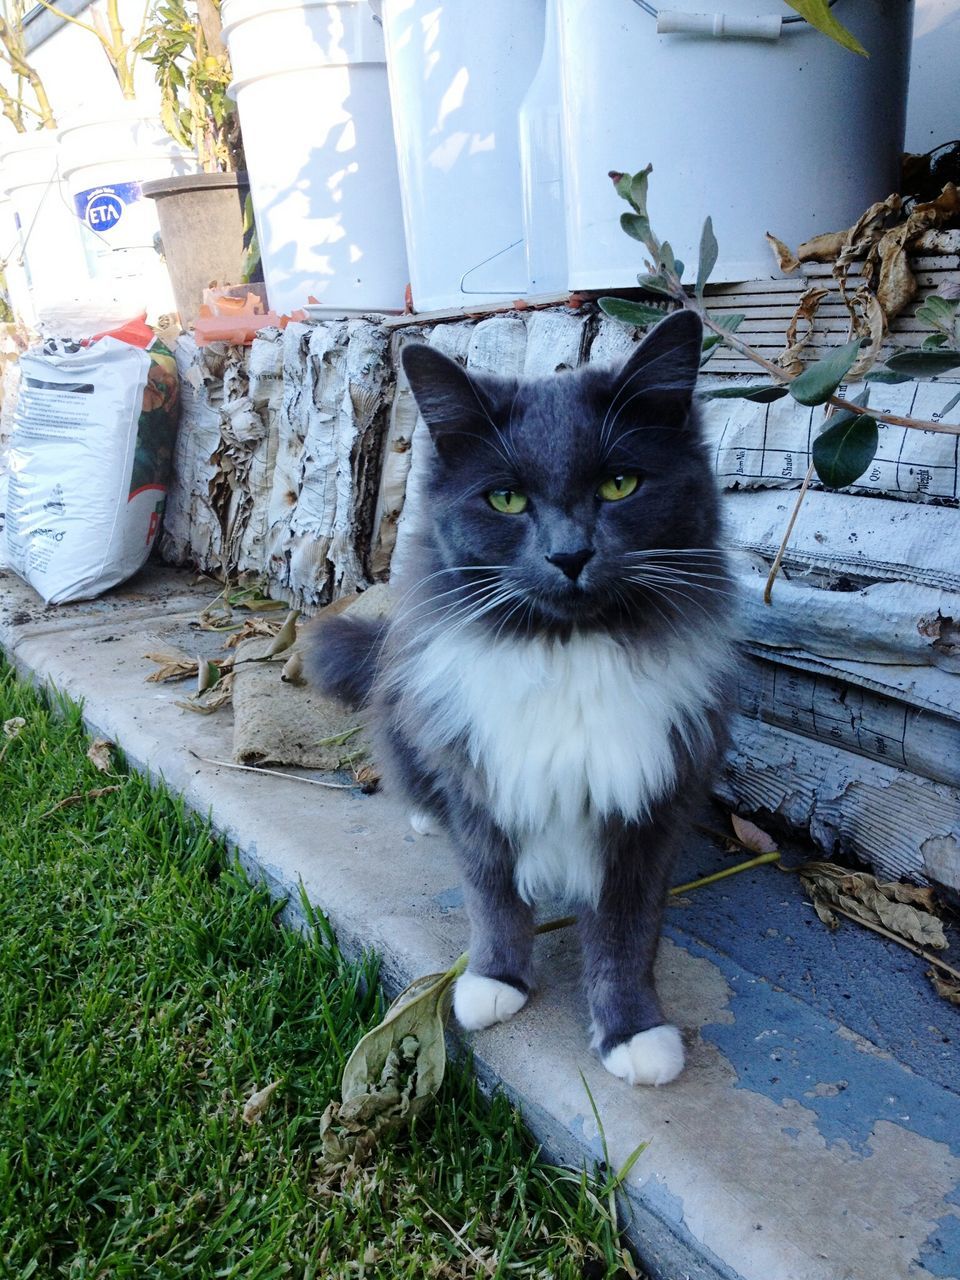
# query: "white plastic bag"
88,464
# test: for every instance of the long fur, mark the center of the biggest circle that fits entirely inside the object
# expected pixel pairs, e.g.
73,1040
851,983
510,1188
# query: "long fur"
551,690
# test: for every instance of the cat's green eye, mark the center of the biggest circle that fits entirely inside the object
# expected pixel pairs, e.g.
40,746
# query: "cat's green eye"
507,501
616,487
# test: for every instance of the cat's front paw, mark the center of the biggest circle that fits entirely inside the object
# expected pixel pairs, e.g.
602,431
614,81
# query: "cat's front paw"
654,1056
480,1002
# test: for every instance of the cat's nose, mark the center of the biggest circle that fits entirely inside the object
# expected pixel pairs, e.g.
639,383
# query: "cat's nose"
571,562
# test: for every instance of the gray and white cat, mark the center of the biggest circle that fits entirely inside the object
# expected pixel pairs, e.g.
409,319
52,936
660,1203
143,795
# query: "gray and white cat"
551,689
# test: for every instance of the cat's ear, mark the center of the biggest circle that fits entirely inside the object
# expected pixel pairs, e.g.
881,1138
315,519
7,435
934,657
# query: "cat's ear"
663,369
456,406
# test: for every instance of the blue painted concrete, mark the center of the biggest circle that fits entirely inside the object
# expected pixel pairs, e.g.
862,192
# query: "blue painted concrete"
765,924
941,1253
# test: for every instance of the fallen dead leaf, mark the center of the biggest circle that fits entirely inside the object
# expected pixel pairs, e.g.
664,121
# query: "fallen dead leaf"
860,895
252,629
822,248
946,986
99,754
13,727
93,794
753,837
368,778
170,667
211,699
257,1103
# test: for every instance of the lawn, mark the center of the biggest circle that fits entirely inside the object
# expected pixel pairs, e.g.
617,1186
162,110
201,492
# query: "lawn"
146,991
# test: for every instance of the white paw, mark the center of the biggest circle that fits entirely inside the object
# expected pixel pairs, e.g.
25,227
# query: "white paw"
423,823
480,1002
650,1057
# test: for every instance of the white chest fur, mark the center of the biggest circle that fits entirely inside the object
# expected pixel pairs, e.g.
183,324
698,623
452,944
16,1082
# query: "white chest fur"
562,734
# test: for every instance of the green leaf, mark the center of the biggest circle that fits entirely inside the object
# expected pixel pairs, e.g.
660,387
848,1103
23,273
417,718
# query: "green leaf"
679,266
933,341
819,381
759,392
636,226
843,452
730,323
924,364
819,15
666,257
635,313
951,404
709,249
638,189
656,284
940,313
886,376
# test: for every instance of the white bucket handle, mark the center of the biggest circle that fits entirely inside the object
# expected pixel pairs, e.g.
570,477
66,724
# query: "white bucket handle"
720,25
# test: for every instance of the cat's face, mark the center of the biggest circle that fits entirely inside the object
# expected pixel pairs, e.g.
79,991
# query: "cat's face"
580,500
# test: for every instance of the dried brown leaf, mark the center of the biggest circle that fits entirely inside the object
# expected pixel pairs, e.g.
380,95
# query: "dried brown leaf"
862,896
822,248
794,342
252,628
368,778
170,667
753,837
13,727
869,320
945,985
868,229
94,794
99,754
787,260
211,699
257,1103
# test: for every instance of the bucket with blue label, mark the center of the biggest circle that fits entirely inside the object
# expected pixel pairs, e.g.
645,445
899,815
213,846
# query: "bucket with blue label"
117,223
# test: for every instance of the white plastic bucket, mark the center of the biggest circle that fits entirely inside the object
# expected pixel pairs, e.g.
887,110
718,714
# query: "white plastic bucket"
45,246
14,271
459,71
104,159
541,170
795,136
311,90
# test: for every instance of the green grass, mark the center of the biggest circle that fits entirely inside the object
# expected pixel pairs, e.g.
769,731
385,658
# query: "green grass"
146,989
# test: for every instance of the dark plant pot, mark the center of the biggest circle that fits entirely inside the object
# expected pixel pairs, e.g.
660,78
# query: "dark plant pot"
201,226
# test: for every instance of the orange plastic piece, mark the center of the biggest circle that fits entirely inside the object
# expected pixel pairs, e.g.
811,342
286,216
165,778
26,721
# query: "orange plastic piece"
135,332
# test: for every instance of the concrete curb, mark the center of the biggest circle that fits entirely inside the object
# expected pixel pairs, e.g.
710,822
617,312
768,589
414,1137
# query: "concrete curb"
797,1145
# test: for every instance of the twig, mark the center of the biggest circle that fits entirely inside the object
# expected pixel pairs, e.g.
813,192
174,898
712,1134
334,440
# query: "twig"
95,794
275,773
895,937
782,549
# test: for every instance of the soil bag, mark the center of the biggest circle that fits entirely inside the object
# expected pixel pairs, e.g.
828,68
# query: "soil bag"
89,461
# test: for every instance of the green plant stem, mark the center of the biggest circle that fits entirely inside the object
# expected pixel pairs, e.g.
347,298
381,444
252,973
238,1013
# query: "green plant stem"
761,860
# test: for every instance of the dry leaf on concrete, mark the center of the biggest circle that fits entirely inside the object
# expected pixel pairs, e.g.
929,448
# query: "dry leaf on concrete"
945,985
99,754
865,898
212,698
753,837
252,627
171,666
257,1103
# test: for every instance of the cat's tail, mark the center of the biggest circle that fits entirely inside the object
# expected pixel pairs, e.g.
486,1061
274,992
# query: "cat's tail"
342,655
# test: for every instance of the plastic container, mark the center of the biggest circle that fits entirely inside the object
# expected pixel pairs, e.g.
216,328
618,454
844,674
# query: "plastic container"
104,161
458,75
14,271
541,170
202,231
795,136
311,89
50,251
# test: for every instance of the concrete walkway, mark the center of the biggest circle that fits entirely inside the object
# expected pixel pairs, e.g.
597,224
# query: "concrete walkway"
816,1132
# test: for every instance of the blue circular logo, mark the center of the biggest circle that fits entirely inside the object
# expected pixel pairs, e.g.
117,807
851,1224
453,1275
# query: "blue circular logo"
104,212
